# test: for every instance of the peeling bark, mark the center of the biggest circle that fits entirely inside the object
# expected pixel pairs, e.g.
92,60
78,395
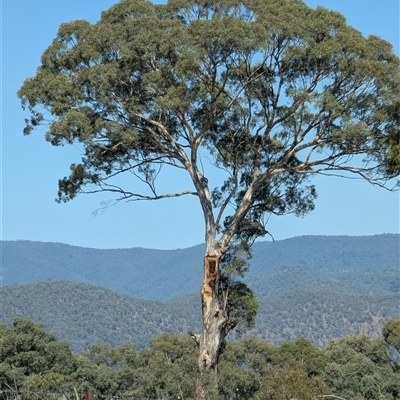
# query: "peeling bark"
214,320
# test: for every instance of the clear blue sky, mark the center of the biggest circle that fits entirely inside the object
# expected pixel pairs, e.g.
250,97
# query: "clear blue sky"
31,167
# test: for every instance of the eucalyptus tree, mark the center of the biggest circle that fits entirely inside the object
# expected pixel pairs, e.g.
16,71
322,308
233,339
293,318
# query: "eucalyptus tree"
272,92
391,333
32,359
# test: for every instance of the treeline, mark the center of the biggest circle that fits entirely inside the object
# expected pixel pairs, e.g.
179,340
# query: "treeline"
35,364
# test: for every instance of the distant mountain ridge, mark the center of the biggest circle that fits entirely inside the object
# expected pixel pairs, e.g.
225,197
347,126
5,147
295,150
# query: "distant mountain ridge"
165,274
126,271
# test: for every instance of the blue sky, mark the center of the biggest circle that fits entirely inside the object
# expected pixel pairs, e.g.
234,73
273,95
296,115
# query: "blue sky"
31,167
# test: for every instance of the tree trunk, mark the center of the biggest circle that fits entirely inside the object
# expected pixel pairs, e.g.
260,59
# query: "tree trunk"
214,320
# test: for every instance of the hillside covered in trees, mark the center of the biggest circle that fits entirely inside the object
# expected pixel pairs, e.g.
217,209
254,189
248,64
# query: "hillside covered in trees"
315,287
84,314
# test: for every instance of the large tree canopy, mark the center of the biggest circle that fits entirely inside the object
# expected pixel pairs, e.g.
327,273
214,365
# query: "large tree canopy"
270,91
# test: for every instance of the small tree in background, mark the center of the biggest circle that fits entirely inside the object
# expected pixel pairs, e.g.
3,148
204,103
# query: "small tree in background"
271,91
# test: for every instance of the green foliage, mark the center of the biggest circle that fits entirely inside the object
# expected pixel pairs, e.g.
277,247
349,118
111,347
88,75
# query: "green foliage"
32,360
360,368
28,350
353,367
90,377
114,357
284,384
312,360
47,382
391,333
393,152
242,365
295,372
167,369
236,298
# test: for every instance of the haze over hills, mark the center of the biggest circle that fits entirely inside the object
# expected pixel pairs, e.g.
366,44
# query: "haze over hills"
312,286
142,273
165,274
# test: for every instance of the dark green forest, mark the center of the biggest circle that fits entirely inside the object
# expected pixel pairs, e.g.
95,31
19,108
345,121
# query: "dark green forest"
84,314
36,365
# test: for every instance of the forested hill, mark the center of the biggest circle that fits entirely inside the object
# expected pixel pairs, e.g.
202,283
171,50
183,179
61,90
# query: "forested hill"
313,286
165,274
84,314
